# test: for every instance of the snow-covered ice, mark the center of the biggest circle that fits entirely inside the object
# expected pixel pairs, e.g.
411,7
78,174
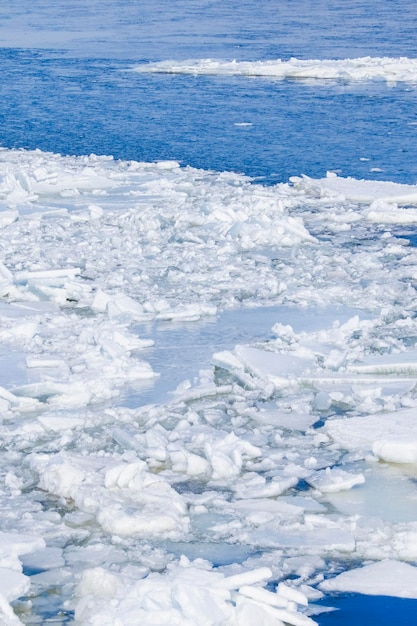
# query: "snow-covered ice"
240,485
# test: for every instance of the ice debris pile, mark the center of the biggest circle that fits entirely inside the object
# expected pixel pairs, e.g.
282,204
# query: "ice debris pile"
263,482
188,594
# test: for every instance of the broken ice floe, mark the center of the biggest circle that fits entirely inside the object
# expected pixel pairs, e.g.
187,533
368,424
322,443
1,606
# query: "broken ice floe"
386,578
362,68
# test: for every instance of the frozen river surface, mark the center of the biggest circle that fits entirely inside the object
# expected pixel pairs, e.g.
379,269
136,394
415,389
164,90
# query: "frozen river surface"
208,328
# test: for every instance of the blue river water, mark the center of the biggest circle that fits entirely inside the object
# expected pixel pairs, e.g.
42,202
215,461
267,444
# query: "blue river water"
66,87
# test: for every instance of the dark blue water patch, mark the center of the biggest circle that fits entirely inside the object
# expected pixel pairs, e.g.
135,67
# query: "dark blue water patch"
364,610
410,237
267,129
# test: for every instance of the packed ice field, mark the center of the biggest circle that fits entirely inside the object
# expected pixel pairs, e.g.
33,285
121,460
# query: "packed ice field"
281,473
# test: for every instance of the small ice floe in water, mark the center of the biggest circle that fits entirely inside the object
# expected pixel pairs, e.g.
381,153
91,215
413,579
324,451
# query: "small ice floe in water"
389,577
333,479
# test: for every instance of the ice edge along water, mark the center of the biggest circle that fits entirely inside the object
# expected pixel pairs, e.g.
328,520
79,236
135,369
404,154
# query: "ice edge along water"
390,69
113,491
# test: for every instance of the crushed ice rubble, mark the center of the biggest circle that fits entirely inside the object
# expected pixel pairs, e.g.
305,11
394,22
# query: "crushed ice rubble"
231,503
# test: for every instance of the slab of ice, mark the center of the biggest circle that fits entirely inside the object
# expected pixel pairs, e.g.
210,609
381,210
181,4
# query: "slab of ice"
363,191
387,578
279,369
333,479
309,540
387,493
403,364
390,435
364,68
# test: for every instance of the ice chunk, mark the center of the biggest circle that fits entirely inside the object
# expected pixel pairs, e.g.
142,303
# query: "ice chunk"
56,423
8,217
387,578
124,305
14,544
13,584
126,499
277,368
389,435
45,559
248,578
396,450
334,479
403,364
359,190
227,455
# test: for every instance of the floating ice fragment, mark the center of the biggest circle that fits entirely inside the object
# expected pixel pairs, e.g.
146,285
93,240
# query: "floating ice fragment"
124,305
228,455
44,362
396,450
322,401
187,314
96,211
387,578
404,363
334,479
51,278
57,423
97,582
366,191
391,433
253,485
43,559
8,217
277,368
247,578
362,68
